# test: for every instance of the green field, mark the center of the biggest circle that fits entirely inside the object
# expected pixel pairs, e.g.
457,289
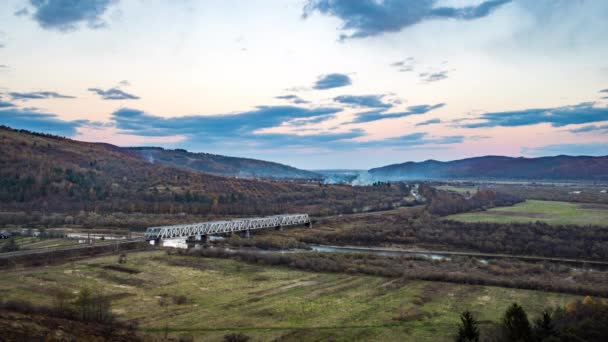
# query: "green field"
552,212
459,189
27,243
268,303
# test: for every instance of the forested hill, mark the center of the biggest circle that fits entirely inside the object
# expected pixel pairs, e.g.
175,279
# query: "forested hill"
221,165
497,167
43,173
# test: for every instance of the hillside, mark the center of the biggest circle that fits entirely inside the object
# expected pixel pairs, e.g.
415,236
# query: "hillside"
221,165
42,173
497,167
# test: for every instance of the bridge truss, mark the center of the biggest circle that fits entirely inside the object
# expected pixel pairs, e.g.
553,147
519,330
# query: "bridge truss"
228,226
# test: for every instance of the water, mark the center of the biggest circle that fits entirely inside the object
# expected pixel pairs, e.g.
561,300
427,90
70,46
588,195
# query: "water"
383,252
183,244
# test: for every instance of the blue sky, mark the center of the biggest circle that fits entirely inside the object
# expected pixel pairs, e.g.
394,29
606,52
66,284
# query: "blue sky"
312,83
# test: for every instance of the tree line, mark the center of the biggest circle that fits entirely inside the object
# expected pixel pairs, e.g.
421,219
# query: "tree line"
577,321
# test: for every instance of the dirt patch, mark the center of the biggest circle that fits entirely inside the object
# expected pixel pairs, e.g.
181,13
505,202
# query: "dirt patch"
429,292
123,269
119,280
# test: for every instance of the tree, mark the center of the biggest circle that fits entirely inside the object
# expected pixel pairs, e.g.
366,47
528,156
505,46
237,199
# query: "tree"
10,246
544,327
516,325
236,337
468,330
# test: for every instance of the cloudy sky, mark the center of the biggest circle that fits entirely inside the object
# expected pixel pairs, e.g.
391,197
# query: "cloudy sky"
315,84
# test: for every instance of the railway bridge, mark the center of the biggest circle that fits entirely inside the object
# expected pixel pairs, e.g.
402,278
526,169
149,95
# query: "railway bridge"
200,231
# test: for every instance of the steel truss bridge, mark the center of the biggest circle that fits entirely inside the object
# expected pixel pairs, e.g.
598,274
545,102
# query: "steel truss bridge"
202,230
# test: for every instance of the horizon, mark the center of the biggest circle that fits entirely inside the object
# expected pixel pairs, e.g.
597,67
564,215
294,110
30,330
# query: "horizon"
317,84
339,169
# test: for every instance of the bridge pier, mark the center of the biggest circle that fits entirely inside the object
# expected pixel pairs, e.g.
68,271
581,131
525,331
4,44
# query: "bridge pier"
197,238
246,234
279,228
309,224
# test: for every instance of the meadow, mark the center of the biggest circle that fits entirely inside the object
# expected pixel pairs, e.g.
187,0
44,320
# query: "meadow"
208,298
461,189
27,243
552,212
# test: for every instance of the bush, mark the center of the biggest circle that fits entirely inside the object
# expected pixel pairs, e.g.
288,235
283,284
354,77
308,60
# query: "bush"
236,337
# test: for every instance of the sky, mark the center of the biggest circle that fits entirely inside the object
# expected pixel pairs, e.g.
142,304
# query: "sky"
317,84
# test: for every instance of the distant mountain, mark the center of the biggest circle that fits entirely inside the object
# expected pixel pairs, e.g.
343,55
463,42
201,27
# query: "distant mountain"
220,165
497,167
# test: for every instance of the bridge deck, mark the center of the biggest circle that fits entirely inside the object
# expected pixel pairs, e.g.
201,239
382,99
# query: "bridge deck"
216,227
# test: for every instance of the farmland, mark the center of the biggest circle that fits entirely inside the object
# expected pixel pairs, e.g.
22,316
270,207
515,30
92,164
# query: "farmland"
552,212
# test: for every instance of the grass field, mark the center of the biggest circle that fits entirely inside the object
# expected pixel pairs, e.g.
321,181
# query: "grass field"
459,189
268,303
552,212
27,243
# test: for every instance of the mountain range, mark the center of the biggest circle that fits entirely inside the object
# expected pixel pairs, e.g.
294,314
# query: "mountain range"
44,173
557,168
221,165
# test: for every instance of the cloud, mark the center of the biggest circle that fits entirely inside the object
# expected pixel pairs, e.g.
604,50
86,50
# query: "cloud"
221,126
584,149
40,122
332,81
429,122
22,12
217,132
365,18
589,128
36,95
381,114
292,98
405,65
582,113
113,94
372,101
604,90
428,77
223,132
411,140
313,120
4,104
67,15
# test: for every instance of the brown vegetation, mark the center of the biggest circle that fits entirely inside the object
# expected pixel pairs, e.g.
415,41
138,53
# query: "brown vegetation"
418,228
535,276
41,175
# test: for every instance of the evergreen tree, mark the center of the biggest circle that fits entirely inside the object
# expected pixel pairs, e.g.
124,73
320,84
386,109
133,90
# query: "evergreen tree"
516,325
544,327
468,330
